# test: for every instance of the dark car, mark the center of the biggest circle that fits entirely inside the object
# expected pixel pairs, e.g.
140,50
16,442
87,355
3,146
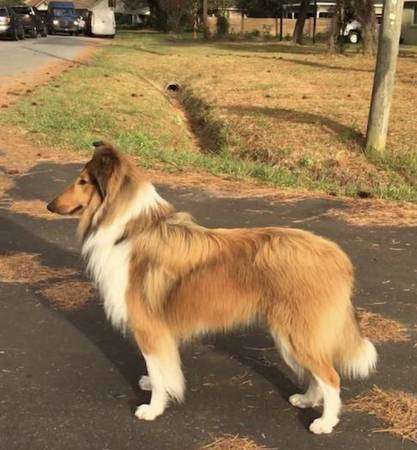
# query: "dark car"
28,17
62,18
10,24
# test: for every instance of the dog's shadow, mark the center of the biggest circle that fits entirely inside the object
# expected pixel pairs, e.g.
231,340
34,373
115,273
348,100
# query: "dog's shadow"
255,350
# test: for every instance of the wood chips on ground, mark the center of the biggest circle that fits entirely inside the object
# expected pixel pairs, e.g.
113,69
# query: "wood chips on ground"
397,409
34,208
229,442
376,212
381,329
68,295
27,268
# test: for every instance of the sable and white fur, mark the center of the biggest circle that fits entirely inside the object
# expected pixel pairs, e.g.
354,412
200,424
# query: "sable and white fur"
165,279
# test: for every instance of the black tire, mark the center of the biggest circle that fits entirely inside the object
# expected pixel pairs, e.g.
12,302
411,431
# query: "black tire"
354,37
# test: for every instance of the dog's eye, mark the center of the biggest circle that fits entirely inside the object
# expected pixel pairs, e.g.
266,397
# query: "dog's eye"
82,182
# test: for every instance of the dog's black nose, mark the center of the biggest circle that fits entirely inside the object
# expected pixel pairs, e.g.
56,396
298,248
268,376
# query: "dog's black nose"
50,207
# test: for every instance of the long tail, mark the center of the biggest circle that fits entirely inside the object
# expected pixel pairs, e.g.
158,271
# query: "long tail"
357,356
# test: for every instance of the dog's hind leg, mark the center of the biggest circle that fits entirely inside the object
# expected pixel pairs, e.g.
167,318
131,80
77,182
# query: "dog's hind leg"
164,368
287,355
329,382
311,398
145,383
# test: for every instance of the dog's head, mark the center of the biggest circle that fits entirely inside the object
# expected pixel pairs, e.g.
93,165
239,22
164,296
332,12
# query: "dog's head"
95,184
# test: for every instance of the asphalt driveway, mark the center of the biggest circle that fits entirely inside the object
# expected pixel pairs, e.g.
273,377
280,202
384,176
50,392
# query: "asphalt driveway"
24,57
67,380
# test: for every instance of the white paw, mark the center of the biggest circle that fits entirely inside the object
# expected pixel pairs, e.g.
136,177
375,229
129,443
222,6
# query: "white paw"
145,383
300,401
320,426
146,412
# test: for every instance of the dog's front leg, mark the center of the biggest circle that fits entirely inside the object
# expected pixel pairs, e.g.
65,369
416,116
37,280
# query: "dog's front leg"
164,369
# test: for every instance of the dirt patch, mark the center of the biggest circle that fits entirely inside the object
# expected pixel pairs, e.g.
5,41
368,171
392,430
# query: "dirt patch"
232,443
19,155
397,409
5,183
376,212
68,295
35,208
380,329
358,212
27,268
223,187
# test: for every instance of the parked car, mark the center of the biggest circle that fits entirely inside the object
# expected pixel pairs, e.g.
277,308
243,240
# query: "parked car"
101,22
27,16
352,31
10,24
62,18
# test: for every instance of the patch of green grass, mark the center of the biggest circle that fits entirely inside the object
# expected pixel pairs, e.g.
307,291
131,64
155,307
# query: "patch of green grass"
119,97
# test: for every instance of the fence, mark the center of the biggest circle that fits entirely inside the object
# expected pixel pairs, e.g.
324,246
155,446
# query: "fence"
271,27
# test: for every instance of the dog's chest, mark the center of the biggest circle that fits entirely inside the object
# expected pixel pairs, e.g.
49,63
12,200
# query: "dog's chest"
108,264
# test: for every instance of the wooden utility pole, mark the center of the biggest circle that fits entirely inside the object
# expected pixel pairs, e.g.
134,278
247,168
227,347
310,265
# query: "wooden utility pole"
388,45
205,19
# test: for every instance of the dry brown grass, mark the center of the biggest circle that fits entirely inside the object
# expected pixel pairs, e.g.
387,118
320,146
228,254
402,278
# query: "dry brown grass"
34,208
303,111
21,155
27,268
381,329
397,409
68,295
376,212
229,442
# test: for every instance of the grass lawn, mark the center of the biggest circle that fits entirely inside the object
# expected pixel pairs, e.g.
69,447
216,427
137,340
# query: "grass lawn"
278,114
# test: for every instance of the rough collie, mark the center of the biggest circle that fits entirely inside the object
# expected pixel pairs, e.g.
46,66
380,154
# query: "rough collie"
165,279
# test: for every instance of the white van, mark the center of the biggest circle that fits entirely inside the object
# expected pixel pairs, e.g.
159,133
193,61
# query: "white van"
101,21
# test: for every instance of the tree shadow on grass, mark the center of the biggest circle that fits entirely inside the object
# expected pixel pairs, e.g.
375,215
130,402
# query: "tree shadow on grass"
301,62
269,47
344,133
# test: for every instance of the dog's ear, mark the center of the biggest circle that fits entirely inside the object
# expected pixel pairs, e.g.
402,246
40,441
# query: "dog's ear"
103,165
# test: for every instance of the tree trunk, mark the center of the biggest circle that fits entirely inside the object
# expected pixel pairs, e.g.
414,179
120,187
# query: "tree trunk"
297,37
388,44
195,26
206,27
365,13
336,25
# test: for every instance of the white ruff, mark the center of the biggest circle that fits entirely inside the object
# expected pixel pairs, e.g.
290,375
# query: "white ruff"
107,263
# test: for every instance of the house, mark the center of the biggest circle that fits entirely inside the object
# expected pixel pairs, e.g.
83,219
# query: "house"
131,16
409,23
40,5
94,5
85,5
322,8
232,12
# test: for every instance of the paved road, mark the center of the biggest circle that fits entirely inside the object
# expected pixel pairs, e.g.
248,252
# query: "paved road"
67,380
24,57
